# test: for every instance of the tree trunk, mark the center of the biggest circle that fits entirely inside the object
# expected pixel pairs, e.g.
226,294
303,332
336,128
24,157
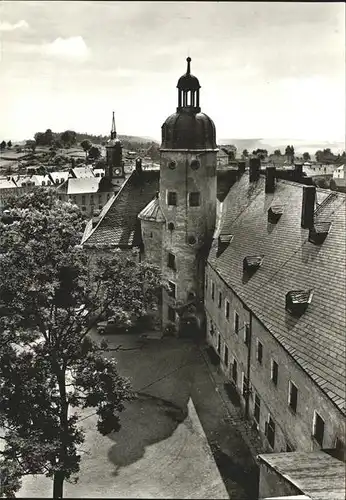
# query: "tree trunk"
58,484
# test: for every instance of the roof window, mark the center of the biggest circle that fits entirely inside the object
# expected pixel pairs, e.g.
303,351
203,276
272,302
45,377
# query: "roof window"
318,233
222,243
274,213
297,301
252,262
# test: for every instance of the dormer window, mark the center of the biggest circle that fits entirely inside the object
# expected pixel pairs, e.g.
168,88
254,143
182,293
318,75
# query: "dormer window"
297,301
318,233
252,262
222,243
274,213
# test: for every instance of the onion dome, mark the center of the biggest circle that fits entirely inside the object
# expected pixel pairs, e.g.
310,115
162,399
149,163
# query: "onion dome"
188,131
188,81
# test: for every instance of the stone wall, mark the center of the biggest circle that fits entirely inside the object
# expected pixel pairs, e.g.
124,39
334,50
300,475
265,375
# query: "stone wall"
192,225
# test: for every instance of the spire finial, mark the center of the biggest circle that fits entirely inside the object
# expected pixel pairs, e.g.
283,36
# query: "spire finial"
113,131
188,65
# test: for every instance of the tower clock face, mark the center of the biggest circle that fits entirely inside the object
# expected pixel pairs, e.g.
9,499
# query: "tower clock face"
117,171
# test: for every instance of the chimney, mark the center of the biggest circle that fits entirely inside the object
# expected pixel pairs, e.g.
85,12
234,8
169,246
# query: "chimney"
255,168
241,167
298,171
139,165
308,207
270,179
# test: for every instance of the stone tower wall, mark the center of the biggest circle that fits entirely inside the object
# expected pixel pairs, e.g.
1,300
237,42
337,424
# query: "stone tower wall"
197,222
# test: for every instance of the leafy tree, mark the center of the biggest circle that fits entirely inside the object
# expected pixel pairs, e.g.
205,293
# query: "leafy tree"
68,138
86,145
306,156
260,153
3,145
39,138
50,368
58,144
277,152
30,144
289,152
48,135
94,153
9,144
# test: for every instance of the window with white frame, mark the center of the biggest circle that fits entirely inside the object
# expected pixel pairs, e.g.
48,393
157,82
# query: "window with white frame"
270,430
244,384
274,372
292,396
246,334
318,428
225,357
227,309
259,352
236,323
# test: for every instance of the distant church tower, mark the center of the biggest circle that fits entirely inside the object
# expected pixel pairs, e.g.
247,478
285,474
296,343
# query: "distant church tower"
115,172
188,203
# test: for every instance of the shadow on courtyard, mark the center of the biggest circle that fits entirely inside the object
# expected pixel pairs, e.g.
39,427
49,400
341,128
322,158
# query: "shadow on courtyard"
146,420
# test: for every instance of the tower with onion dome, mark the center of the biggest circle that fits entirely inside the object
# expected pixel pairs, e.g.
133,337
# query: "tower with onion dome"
188,203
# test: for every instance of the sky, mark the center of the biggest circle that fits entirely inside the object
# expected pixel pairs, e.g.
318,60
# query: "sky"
266,69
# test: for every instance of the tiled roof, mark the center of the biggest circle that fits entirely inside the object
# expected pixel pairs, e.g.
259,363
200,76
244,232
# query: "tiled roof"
82,172
57,176
316,339
7,183
152,211
119,224
83,185
315,474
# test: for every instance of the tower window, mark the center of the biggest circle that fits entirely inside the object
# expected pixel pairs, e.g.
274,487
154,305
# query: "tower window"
172,165
194,199
172,289
171,314
172,198
195,164
212,291
171,261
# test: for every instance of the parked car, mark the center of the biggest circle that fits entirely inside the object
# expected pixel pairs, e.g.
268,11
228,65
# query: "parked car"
106,326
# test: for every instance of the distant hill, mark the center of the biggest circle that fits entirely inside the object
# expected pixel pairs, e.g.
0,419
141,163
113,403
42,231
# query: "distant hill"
270,145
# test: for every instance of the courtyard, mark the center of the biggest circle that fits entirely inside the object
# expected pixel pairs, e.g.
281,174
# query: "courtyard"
175,440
